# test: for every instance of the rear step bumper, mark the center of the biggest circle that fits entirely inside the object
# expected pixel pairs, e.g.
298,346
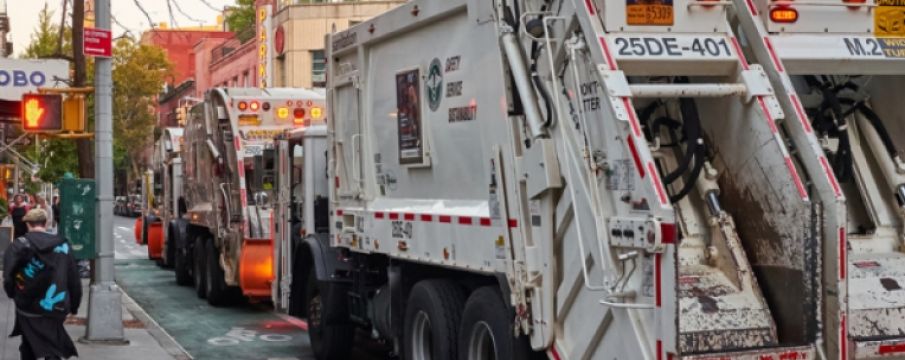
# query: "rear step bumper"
880,349
782,353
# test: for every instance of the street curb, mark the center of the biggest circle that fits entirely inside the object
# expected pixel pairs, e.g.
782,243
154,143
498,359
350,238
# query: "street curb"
167,342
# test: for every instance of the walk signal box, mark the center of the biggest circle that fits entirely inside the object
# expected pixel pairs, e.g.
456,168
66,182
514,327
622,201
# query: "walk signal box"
42,112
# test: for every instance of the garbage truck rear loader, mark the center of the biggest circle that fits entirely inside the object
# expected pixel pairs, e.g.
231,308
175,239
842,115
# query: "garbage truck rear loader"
839,71
584,179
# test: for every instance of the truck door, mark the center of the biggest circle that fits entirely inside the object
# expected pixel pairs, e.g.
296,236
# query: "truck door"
283,224
348,137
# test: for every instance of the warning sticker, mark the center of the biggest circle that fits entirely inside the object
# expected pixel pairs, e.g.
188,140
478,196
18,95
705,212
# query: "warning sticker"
889,20
649,12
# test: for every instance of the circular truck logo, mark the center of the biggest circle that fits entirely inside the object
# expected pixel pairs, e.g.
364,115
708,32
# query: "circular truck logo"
434,85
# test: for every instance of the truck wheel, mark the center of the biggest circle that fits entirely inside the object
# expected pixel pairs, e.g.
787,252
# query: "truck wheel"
181,267
169,249
329,328
216,291
487,329
198,267
432,317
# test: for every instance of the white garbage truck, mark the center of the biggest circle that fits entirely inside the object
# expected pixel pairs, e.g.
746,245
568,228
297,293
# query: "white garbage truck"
838,68
230,172
576,179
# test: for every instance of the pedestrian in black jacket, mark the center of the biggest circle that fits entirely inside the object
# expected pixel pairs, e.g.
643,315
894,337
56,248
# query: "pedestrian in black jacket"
40,274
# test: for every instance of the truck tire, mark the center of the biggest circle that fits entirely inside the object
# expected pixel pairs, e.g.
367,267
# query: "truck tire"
198,268
329,328
169,248
216,290
486,331
181,267
432,316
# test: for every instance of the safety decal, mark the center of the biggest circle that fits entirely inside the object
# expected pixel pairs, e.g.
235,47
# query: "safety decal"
434,85
408,112
889,18
875,47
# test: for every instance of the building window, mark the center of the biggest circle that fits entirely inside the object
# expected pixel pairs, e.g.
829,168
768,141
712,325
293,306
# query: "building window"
318,69
245,79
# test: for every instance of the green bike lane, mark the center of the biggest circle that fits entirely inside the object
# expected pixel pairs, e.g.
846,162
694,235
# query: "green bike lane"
243,331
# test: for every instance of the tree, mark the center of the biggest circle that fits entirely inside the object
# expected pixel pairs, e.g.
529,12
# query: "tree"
139,72
241,19
45,39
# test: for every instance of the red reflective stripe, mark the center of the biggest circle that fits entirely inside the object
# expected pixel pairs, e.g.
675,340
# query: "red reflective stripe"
751,7
770,122
632,117
378,215
802,116
843,251
773,54
797,179
739,53
513,223
465,220
394,216
661,193
427,217
659,349
554,353
606,53
446,219
485,221
892,348
590,7
843,339
635,156
829,174
241,165
658,279
339,212
237,143
408,217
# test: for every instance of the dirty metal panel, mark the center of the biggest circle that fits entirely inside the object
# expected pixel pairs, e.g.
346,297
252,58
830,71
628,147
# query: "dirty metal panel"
717,316
877,296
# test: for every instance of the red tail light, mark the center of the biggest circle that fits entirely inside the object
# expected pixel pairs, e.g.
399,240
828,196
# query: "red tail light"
784,15
254,106
243,106
854,2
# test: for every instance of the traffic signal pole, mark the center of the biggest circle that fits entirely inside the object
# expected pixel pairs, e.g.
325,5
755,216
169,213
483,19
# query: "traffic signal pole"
105,316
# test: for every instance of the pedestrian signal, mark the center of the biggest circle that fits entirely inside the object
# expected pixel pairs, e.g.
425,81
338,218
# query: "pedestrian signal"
42,113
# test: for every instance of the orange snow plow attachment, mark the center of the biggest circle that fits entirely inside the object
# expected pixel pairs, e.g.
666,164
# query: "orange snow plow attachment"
256,267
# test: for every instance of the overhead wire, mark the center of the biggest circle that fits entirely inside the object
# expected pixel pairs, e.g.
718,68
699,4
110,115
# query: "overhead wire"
210,6
179,8
173,22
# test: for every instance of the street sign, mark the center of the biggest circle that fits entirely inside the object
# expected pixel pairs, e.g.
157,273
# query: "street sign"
98,42
18,77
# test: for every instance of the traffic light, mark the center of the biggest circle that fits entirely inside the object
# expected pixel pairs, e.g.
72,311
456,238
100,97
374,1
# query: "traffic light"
74,113
180,115
42,113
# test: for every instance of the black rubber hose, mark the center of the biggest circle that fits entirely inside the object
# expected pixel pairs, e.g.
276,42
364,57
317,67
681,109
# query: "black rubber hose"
878,125
695,147
692,131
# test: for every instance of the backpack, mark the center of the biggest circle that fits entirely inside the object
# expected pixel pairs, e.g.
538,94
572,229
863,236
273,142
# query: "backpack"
38,283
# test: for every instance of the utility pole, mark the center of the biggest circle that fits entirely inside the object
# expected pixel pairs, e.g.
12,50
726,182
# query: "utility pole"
105,316
83,146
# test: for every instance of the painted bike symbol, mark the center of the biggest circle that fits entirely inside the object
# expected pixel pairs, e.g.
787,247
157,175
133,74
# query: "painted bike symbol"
240,335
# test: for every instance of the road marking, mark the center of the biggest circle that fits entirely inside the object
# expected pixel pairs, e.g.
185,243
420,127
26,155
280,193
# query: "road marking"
301,324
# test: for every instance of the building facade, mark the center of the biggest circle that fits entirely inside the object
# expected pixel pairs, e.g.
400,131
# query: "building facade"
299,31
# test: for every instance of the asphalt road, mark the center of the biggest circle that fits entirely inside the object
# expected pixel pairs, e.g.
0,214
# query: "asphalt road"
242,331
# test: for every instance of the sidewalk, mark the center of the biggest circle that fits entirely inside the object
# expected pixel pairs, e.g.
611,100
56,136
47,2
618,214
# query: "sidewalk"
146,340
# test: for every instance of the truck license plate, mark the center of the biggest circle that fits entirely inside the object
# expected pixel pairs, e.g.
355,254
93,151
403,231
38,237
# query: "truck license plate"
649,12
